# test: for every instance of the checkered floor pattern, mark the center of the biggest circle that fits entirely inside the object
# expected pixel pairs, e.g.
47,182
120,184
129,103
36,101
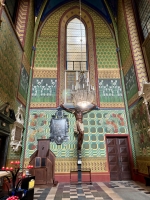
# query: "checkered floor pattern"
94,191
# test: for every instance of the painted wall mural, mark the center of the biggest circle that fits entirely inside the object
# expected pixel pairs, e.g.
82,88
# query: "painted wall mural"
110,90
44,90
24,82
131,83
140,128
96,125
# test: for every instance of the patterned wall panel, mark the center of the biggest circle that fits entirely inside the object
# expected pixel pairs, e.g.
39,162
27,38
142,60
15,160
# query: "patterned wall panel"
10,62
29,31
96,125
44,90
131,84
123,36
21,20
106,53
64,165
22,93
110,91
23,87
53,22
44,86
142,163
146,52
46,52
140,128
125,50
135,44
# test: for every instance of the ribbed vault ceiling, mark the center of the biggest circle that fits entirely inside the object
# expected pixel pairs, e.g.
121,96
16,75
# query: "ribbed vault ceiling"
98,5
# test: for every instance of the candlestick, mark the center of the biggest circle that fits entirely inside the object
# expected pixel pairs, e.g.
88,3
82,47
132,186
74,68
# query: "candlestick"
76,75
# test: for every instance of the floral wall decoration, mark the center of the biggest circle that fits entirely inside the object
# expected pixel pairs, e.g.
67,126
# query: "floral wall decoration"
141,128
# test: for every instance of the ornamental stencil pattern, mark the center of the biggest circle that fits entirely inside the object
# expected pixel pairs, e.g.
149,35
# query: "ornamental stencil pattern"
110,90
44,90
97,123
131,83
10,62
141,129
24,82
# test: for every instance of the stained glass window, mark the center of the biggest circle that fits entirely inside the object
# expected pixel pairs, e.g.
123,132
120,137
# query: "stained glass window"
76,46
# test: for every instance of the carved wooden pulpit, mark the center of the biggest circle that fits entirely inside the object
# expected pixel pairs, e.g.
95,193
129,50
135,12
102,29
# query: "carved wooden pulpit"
43,161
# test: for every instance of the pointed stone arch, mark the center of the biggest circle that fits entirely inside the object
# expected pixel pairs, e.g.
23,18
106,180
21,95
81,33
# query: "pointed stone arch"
91,50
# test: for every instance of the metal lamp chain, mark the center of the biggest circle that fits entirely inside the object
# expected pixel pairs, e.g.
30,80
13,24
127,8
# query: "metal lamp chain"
81,33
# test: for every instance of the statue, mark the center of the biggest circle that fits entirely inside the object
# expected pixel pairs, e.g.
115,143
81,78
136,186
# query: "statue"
5,109
79,127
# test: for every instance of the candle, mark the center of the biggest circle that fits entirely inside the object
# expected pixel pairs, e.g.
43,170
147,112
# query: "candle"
3,168
11,168
88,75
7,168
76,75
11,162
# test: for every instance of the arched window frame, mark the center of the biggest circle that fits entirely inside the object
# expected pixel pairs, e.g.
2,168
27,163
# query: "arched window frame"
79,64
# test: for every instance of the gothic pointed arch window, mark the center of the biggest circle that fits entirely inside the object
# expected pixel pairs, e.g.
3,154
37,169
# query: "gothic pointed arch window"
76,54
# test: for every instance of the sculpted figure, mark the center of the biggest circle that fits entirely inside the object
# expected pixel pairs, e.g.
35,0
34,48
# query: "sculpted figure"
79,127
5,109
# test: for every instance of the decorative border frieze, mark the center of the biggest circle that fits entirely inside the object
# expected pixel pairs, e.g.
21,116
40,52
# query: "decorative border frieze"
97,164
108,73
44,73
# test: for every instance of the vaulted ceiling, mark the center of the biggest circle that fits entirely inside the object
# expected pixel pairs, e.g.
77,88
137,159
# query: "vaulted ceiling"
97,5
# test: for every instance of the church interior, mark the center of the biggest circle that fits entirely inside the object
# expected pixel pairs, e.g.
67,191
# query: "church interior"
75,64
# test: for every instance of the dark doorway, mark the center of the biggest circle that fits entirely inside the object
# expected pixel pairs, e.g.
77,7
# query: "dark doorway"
3,150
118,158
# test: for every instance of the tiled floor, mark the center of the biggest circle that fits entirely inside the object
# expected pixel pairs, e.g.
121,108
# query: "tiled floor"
122,190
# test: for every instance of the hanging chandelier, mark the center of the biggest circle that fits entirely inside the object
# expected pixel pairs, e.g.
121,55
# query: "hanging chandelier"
82,93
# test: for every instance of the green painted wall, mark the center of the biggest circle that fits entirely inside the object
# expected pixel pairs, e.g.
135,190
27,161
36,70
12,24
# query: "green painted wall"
46,52
29,31
106,52
10,62
123,34
110,90
44,90
96,125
